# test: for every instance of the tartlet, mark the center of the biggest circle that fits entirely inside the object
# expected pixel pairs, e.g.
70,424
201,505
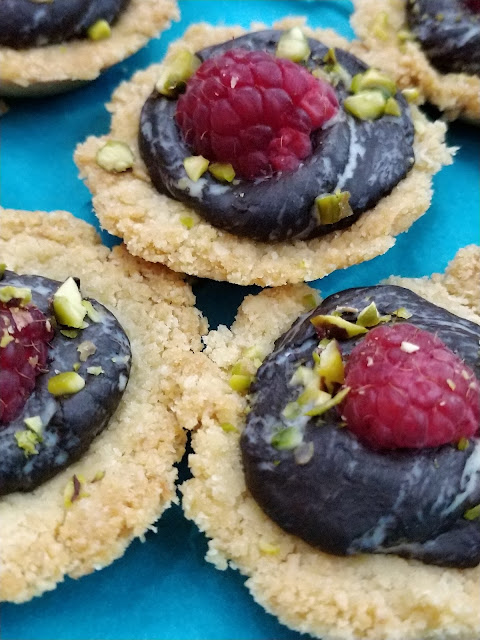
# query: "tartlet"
360,596
54,68
126,478
161,229
386,42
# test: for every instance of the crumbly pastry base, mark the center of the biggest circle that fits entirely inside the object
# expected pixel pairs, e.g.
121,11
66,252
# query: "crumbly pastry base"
40,540
129,206
61,67
457,94
364,597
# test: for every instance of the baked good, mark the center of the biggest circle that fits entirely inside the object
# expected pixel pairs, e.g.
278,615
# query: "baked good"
83,488
274,218
329,595
50,47
428,44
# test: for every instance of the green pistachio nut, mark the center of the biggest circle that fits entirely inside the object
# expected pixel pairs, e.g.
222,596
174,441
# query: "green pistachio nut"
330,366
67,305
35,424
329,404
335,323
27,440
92,313
330,58
373,79
240,382
286,439
392,108
222,171
332,207
187,221
411,94
176,72
23,295
95,371
115,156
228,427
3,268
195,167
99,30
65,384
366,105
473,513
402,313
5,339
293,45
369,317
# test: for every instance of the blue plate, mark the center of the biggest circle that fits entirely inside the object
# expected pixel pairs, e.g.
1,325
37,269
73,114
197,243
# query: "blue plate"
163,588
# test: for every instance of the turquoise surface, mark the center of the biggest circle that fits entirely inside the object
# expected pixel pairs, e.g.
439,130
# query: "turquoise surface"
163,588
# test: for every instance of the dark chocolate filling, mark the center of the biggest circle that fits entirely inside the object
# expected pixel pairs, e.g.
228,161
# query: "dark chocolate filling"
348,498
449,32
32,23
70,422
366,158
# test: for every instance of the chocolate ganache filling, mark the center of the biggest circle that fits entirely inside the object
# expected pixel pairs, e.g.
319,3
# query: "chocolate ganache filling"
53,429
345,497
449,32
361,157
34,23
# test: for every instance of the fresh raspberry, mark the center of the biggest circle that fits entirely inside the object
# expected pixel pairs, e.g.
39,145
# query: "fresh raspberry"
23,358
255,111
409,390
473,5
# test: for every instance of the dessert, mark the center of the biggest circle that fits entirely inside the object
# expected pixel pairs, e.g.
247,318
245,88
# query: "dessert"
293,171
49,47
88,427
302,512
429,44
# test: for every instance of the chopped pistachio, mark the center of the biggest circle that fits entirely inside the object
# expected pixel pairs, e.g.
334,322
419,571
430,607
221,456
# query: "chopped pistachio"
372,79
286,439
369,317
304,453
95,371
334,323
330,58
22,294
228,427
98,476
402,313
310,300
463,444
92,313
337,399
86,349
5,339
291,411
35,424
74,490
3,268
69,333
411,94
473,513
195,167
240,382
330,366
293,45
115,156
313,396
269,549
99,30
381,26
76,366
175,73
366,105
27,440
187,221
66,383
222,171
392,108
333,207
67,305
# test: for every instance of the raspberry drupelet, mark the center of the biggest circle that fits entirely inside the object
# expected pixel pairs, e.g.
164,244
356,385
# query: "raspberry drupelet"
24,336
409,390
254,111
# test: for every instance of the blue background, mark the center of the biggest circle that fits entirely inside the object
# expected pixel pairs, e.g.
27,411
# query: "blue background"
163,588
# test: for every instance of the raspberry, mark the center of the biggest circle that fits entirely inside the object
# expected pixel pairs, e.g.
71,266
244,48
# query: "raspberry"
22,358
473,5
404,397
255,111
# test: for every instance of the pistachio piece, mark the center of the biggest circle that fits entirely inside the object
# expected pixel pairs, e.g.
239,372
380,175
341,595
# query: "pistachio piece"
74,490
187,221
69,333
35,424
86,349
3,268
99,30
240,382
65,384
95,371
369,317
373,79
381,26
27,440
286,439
304,453
228,427
392,108
5,339
402,313
463,444
176,72
411,94
222,171
473,513
92,313
366,105
337,326
330,366
23,295
332,207
323,408
310,300
115,156
67,305
293,45
195,166
269,549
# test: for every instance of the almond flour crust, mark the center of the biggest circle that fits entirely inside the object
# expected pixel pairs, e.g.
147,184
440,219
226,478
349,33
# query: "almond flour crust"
151,226
41,540
60,67
457,94
334,598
